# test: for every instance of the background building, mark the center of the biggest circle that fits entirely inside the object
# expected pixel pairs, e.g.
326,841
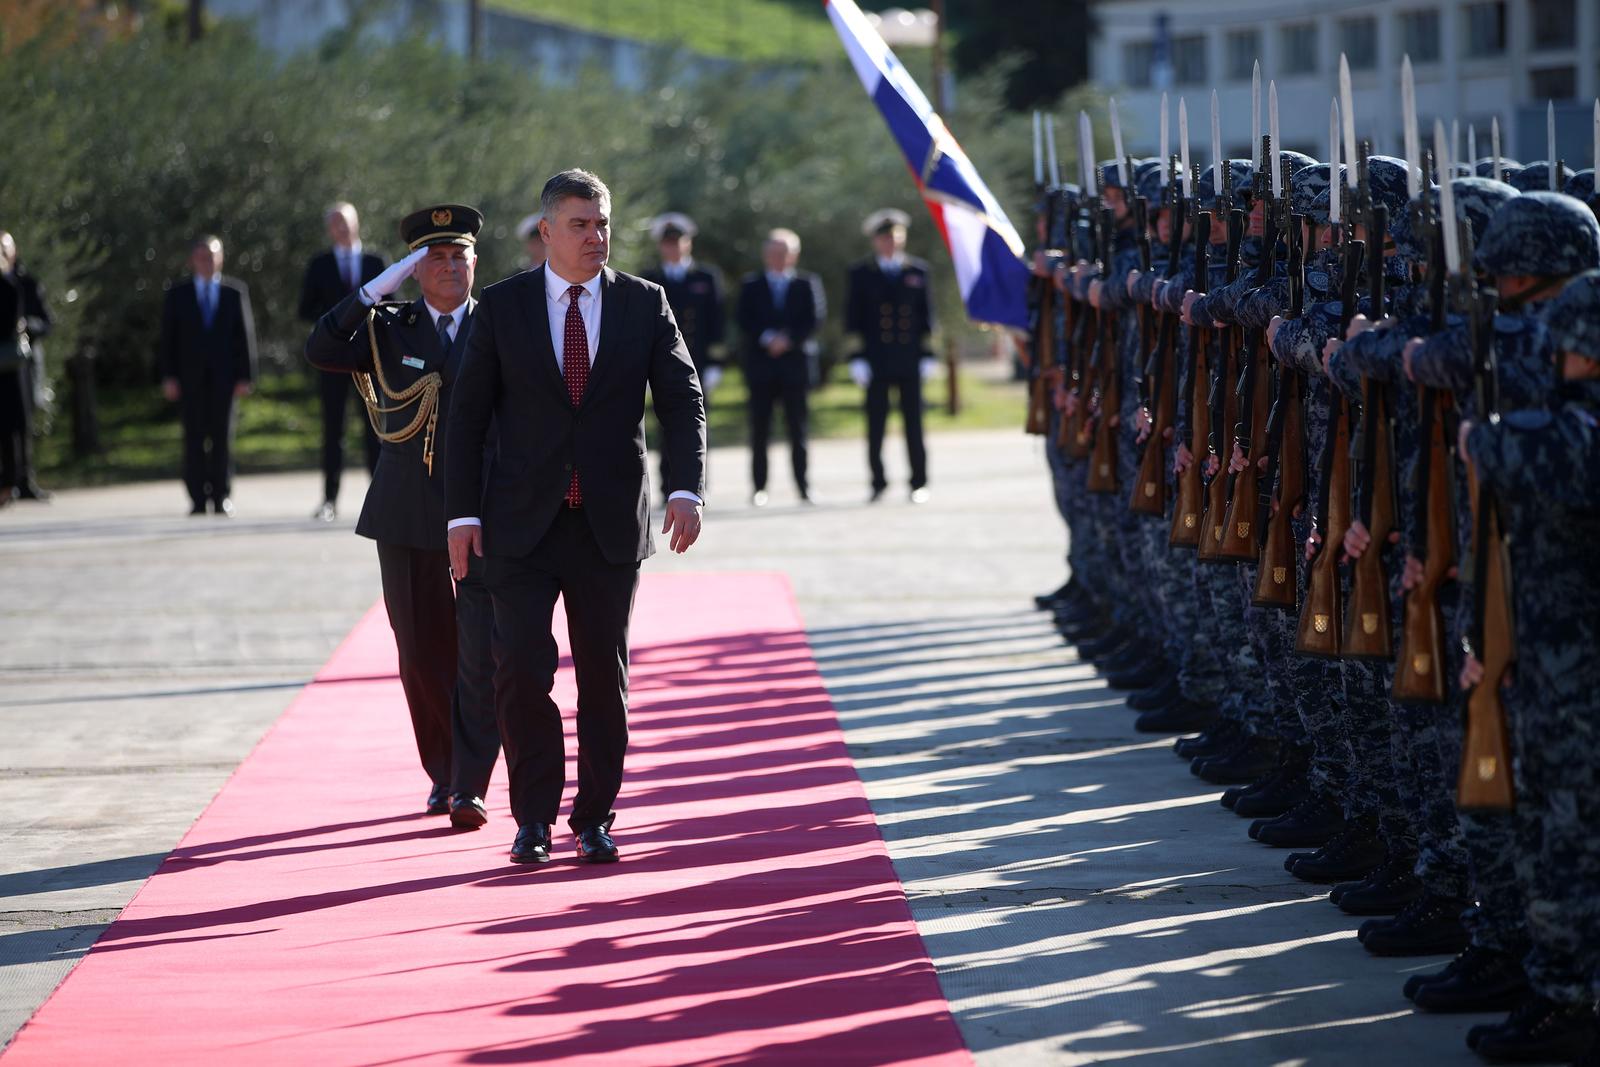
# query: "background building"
1475,60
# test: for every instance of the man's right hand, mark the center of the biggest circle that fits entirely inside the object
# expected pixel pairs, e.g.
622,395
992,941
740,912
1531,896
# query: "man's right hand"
170,389
394,276
460,540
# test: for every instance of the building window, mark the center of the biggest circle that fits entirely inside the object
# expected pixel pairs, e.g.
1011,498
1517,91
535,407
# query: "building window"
1299,48
1419,35
1554,83
1137,57
1358,40
1189,61
1555,24
1244,48
1485,29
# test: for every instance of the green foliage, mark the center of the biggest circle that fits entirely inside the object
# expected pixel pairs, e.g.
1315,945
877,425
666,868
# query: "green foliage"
781,31
128,148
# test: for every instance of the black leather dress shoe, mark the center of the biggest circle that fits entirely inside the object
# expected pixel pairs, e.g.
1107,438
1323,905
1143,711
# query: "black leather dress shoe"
438,801
30,490
532,844
467,813
595,845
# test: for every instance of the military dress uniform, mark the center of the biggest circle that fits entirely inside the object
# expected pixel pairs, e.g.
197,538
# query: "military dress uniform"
406,356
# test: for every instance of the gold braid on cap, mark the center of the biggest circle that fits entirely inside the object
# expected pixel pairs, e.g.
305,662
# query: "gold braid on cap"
424,393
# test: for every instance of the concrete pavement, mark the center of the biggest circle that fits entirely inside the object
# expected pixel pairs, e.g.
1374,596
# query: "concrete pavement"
1083,897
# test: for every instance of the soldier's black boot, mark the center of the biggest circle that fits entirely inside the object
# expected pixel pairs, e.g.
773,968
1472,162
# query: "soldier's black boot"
1415,983
1313,822
1141,673
1480,979
1278,792
1539,1030
1386,891
1356,852
1428,926
1129,658
1252,758
1158,696
1066,593
1179,718
1098,648
1217,739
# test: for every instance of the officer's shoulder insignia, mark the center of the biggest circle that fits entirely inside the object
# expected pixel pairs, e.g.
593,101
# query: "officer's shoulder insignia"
1527,419
442,216
1509,324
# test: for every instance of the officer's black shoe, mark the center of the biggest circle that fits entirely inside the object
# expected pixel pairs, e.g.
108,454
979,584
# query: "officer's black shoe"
1313,822
1428,926
1387,891
29,490
467,812
532,844
1277,794
1250,759
1216,740
1539,1030
1156,696
1356,852
1180,717
1151,672
438,801
1415,983
1480,979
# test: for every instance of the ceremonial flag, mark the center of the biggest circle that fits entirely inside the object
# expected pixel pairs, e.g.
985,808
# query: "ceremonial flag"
987,251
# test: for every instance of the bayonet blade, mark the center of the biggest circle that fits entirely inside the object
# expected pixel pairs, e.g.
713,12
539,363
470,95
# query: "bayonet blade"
1183,147
1472,144
1050,143
1494,148
1277,149
1116,145
1165,141
1408,102
1333,162
1086,150
1447,201
1597,136
1255,117
1038,150
1347,114
1550,140
1216,146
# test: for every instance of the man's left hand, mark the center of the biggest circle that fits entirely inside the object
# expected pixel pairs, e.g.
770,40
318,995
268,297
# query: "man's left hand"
683,523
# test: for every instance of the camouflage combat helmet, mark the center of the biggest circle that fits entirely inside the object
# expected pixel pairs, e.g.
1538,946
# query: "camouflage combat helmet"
1540,234
1574,316
1531,178
1239,172
1307,184
1581,185
1484,168
1386,180
1477,199
1148,184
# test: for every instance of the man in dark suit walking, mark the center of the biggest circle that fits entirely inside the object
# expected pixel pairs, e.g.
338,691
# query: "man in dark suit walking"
780,310
24,321
330,277
890,309
694,291
408,364
207,360
560,359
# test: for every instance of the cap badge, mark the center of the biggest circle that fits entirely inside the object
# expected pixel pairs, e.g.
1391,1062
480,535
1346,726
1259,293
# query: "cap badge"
442,216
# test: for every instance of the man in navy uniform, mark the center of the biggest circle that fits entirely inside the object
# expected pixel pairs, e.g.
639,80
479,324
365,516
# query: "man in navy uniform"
780,311
891,310
207,358
694,292
407,356
330,277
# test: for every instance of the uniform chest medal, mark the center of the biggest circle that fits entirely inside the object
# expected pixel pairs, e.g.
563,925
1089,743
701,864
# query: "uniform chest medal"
412,361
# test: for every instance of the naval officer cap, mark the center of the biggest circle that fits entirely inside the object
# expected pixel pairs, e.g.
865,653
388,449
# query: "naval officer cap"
443,224
672,224
884,220
529,225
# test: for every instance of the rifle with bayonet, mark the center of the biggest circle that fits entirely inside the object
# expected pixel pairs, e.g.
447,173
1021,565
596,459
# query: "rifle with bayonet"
1041,298
1224,408
1161,397
1187,512
1108,382
1368,634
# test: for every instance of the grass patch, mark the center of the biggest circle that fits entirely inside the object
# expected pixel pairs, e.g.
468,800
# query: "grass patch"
280,427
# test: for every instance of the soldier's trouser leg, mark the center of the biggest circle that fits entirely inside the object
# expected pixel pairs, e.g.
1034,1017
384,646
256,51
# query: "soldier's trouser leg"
1428,795
1131,543
877,425
1273,707
1242,702
1368,724
1554,713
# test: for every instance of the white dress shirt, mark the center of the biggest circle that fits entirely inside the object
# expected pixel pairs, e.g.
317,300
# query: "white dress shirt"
678,271
455,318
892,266
349,263
556,299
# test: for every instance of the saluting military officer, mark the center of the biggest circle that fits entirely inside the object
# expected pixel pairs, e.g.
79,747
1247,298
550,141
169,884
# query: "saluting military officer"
890,308
405,356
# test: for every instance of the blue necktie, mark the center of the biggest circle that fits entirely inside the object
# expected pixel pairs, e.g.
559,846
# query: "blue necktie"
444,333
208,305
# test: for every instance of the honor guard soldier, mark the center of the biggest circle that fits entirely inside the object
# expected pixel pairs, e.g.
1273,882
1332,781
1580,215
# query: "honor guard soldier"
405,357
890,309
694,292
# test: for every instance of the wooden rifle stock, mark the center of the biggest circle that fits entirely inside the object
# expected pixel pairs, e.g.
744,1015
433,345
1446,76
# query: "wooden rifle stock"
1320,630
1216,494
1420,673
1150,488
1186,512
1275,578
1044,345
1368,634
1240,539
1103,454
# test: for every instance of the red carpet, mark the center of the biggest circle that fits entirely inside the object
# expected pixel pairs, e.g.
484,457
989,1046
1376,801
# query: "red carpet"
310,918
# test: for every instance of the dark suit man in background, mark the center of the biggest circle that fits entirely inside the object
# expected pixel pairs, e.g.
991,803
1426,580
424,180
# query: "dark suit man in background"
560,359
207,360
442,635
780,310
330,277
890,309
25,320
694,291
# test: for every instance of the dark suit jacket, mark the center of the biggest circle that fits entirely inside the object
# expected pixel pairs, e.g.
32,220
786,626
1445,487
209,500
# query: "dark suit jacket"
697,305
893,316
801,315
405,503
190,352
511,375
323,286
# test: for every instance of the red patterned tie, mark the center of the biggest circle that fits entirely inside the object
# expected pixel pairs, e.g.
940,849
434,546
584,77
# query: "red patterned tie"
575,370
